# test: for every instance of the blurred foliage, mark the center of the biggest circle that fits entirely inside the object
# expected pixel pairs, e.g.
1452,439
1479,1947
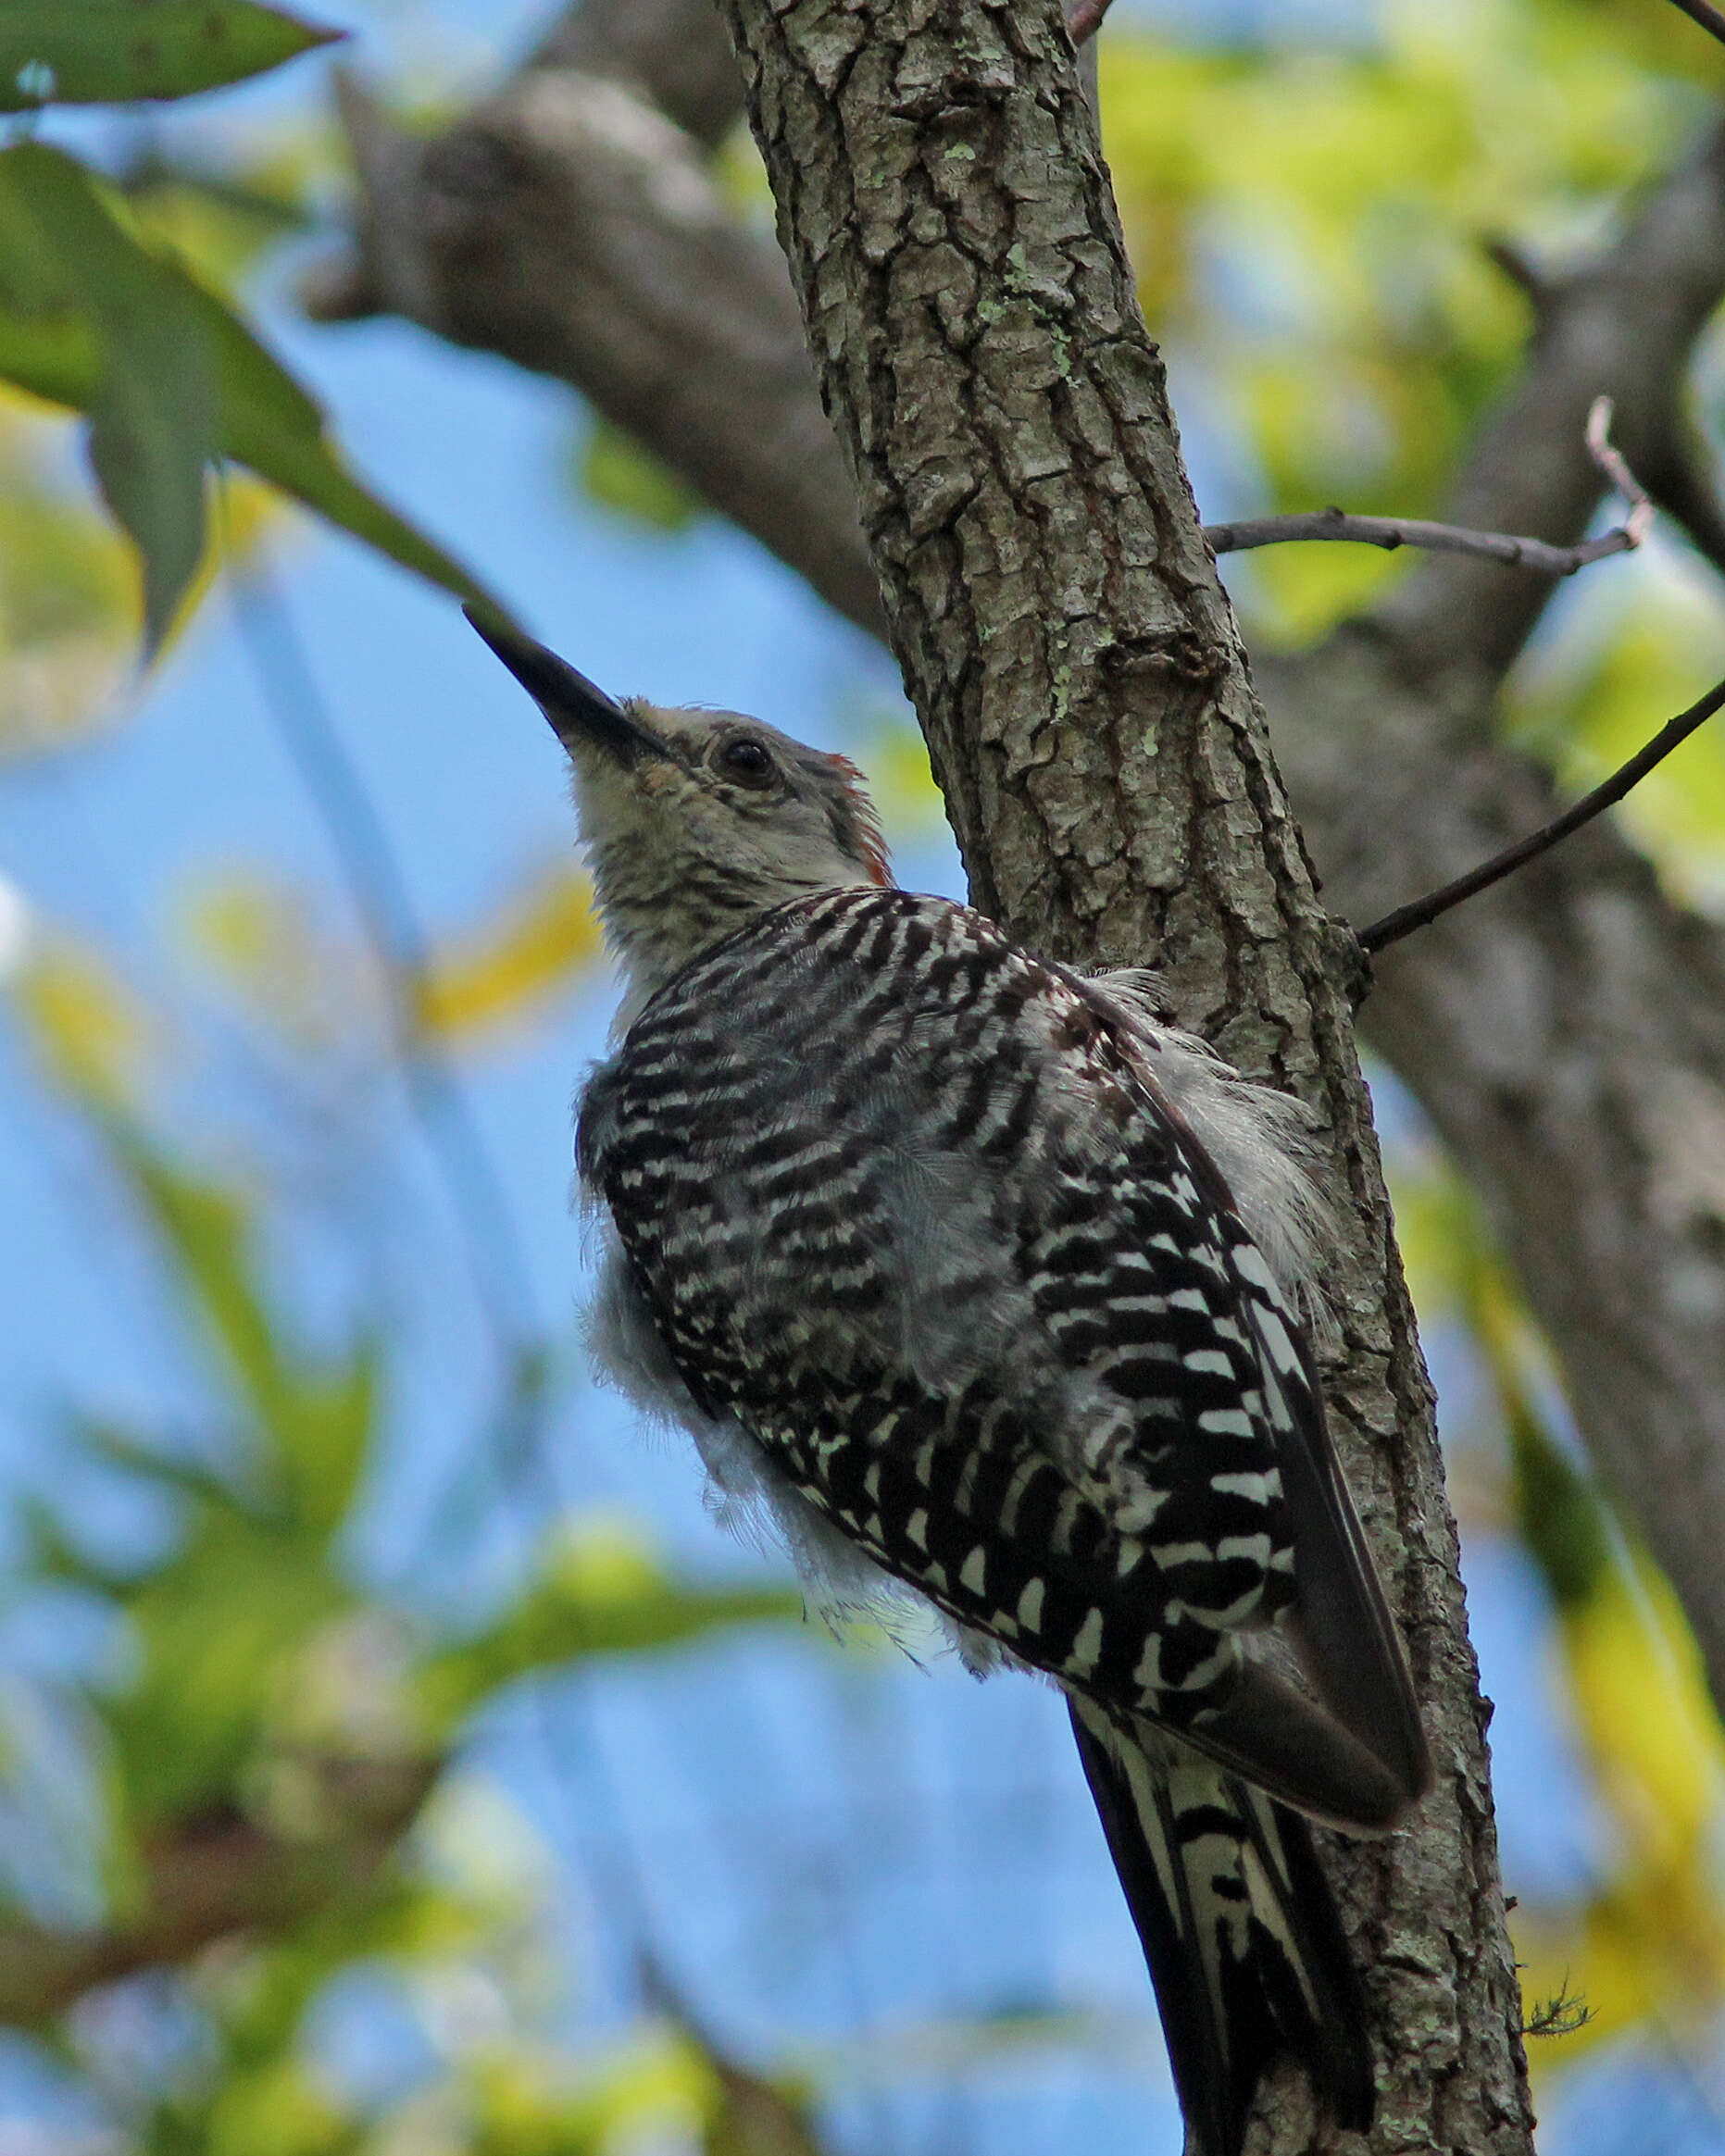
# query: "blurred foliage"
271,1741
1589,704
501,970
1644,1946
611,468
1310,232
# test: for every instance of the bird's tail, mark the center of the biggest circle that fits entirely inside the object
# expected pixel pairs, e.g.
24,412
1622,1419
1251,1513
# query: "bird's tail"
1246,1949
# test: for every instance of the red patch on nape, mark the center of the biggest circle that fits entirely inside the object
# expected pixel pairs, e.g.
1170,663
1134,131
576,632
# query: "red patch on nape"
863,832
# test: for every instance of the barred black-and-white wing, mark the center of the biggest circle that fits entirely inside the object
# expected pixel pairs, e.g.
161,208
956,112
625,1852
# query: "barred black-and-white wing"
909,1209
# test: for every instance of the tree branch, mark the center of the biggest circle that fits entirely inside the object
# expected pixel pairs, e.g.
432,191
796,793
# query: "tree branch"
1707,16
1566,1031
674,53
1421,912
568,226
1623,327
1392,533
205,1880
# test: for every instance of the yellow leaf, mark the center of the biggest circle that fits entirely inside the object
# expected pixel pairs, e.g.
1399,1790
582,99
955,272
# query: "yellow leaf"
84,1021
1644,1714
543,937
68,597
895,757
267,946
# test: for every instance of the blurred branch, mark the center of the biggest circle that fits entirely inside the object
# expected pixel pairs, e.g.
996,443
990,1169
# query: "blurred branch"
571,225
1566,1031
1622,325
675,53
758,2118
1707,16
210,1878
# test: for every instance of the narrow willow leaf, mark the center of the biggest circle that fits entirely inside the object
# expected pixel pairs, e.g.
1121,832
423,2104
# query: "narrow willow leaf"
152,418
113,52
85,305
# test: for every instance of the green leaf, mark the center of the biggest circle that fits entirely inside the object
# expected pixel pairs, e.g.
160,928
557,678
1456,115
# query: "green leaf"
108,52
613,469
207,1234
152,417
602,1593
216,1631
65,338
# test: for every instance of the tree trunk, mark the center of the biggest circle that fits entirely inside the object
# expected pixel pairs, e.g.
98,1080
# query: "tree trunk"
954,246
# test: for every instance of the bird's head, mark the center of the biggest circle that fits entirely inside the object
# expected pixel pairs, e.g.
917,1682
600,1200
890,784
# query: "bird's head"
693,821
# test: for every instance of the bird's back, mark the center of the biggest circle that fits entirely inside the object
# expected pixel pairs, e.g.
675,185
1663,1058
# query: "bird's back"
901,1200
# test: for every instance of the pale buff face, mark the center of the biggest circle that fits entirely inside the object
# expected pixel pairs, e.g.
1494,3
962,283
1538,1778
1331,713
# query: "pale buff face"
694,821
729,817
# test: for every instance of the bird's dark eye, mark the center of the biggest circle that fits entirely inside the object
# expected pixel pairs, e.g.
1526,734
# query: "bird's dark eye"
746,760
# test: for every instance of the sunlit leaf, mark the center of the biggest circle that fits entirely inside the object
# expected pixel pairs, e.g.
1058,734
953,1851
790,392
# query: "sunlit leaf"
601,1594
110,52
895,758
267,950
1308,228
503,969
67,603
1649,1940
86,1024
615,471
1648,649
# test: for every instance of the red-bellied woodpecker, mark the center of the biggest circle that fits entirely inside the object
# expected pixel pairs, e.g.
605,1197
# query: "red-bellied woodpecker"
983,1282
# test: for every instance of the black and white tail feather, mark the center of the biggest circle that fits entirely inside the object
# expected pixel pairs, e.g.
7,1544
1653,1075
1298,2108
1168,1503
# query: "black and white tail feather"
1245,1951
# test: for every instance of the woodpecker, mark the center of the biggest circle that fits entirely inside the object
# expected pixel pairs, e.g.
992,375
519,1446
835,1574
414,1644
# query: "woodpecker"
984,1283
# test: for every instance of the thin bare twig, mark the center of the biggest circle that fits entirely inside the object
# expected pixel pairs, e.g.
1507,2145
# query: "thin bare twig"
1528,553
1610,460
1420,912
1710,17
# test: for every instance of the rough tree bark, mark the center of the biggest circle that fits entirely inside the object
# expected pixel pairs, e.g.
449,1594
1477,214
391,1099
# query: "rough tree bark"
952,241
1563,1034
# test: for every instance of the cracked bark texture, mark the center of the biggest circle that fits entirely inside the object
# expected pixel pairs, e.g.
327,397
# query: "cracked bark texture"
952,241
1563,1033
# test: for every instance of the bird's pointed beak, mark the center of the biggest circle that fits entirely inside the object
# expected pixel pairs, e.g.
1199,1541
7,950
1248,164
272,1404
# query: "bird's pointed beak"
581,714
